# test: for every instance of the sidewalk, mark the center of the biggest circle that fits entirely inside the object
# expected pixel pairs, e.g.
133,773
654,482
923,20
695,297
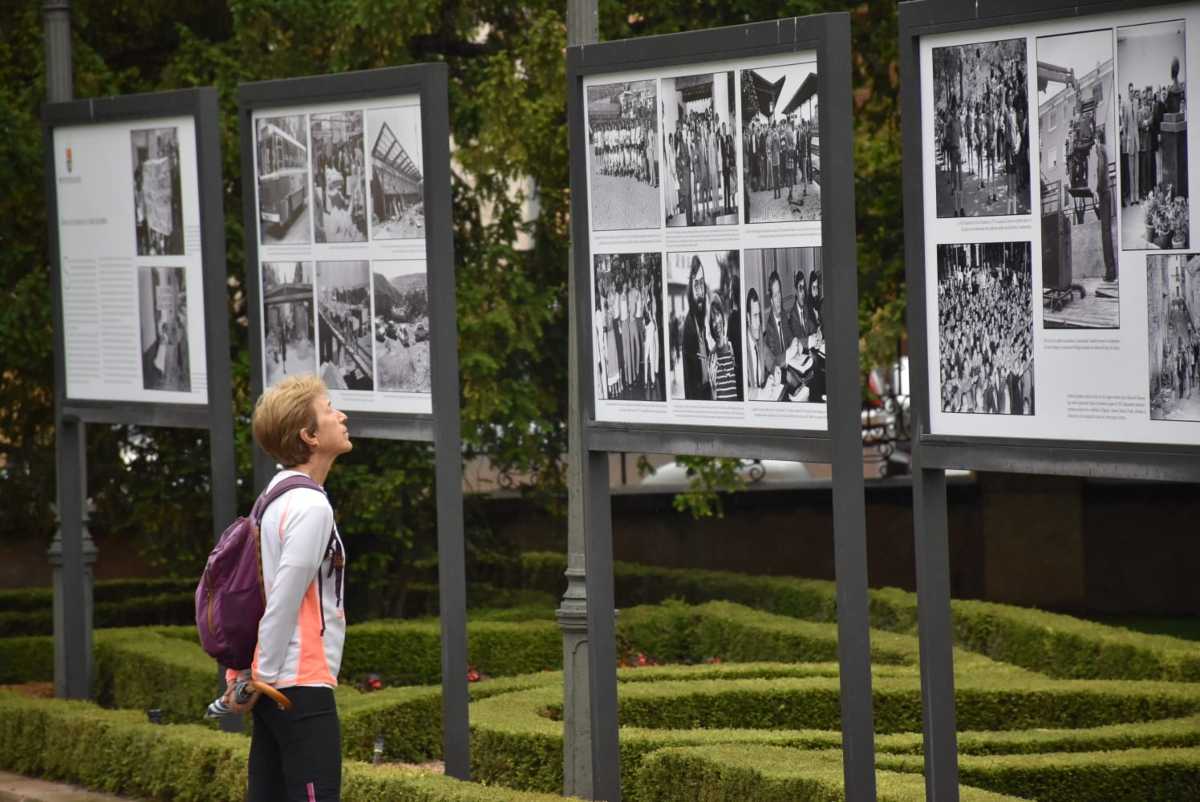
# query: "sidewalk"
15,788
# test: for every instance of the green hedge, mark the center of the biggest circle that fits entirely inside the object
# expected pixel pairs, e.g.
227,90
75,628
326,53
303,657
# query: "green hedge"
140,669
162,609
518,740
1133,775
1049,643
409,652
118,752
26,659
769,774
108,590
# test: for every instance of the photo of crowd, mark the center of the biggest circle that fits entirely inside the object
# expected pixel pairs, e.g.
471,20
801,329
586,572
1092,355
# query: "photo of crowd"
623,174
281,158
1173,314
344,325
157,202
162,314
705,327
985,328
626,315
781,154
401,298
339,177
785,340
289,339
1151,64
397,186
1078,170
699,151
981,129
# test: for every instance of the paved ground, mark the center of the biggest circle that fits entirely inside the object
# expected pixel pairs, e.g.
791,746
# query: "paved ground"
619,202
976,201
410,226
15,788
1098,309
766,208
1188,409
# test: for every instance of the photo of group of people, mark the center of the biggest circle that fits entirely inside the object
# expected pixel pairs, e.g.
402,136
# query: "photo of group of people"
157,198
627,308
1173,318
981,129
623,140
781,144
1076,122
324,155
360,326
698,147
705,327
785,336
1151,65
162,315
700,137
985,328
339,179
776,314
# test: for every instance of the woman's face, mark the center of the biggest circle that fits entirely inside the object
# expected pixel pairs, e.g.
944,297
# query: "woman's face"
332,436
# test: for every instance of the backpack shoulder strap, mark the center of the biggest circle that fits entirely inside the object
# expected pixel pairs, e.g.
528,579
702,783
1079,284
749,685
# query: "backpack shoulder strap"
269,496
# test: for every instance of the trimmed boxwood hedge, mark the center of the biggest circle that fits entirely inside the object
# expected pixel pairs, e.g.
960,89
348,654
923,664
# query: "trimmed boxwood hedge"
1132,775
518,741
161,609
1049,643
769,774
116,751
108,590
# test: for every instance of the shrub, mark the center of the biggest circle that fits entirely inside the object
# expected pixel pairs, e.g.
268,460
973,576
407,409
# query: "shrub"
118,752
768,774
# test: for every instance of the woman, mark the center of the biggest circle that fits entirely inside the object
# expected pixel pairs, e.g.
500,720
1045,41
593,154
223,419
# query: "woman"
296,754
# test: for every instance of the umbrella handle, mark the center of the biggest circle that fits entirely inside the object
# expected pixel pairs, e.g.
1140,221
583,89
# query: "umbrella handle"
281,701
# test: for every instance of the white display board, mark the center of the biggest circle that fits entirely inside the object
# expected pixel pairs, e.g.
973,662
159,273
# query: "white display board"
1043,321
704,200
128,215
342,259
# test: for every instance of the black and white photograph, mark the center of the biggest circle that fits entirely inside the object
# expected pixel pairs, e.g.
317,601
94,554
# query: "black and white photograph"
157,198
1173,314
981,129
985,328
282,154
1077,125
162,314
344,325
699,154
1152,72
785,337
705,326
397,186
624,175
339,177
401,326
781,144
627,297
289,342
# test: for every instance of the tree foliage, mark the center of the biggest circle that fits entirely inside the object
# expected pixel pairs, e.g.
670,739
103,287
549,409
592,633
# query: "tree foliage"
507,104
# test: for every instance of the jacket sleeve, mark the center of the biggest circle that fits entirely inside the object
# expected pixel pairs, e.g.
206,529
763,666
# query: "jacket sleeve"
305,537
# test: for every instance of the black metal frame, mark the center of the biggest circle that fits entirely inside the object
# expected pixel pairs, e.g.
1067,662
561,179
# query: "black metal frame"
201,105
932,454
430,83
828,35
72,414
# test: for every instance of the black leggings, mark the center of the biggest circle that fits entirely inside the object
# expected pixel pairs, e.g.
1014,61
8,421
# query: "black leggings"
296,755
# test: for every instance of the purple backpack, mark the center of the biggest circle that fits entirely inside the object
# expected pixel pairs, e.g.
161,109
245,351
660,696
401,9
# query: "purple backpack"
231,598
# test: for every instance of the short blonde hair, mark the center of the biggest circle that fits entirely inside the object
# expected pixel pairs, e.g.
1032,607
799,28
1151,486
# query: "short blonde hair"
282,412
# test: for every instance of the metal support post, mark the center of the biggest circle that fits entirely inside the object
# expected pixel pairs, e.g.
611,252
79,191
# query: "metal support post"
936,632
72,553
582,28
845,403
